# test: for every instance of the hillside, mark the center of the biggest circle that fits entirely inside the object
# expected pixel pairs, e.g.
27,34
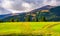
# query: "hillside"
46,13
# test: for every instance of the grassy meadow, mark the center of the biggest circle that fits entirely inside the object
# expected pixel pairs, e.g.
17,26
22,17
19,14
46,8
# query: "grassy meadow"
30,28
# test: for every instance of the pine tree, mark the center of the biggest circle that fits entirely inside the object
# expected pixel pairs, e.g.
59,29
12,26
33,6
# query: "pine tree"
1,21
43,18
28,18
12,19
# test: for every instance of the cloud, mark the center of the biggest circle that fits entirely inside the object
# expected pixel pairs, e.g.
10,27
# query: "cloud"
27,6
52,2
4,11
15,6
58,2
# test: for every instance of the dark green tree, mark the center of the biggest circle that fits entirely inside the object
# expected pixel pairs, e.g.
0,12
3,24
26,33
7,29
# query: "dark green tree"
1,21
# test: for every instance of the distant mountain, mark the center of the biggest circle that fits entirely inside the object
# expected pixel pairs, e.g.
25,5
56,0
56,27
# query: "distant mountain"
47,7
5,15
52,15
4,12
20,17
2,16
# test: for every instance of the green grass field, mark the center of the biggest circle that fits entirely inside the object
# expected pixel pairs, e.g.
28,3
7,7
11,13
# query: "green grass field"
35,28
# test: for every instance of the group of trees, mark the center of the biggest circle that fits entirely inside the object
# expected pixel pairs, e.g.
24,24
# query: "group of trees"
30,18
1,21
26,18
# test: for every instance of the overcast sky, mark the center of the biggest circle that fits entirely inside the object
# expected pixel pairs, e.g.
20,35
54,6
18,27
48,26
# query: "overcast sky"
19,6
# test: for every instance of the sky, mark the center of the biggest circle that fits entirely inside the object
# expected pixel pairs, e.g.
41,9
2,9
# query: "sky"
20,6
